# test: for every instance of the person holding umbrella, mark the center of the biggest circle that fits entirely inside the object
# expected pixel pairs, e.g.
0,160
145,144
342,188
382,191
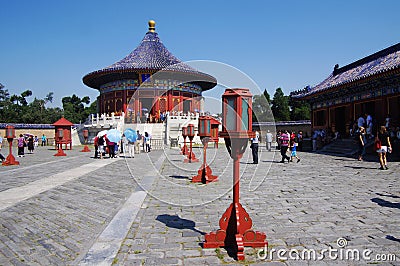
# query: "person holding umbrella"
131,138
113,136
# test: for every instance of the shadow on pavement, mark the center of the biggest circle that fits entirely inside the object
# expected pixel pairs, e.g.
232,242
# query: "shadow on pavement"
361,167
174,221
388,195
385,203
179,176
392,238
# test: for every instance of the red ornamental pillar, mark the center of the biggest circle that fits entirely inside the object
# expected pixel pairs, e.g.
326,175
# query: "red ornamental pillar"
10,135
204,174
85,136
184,150
191,158
235,224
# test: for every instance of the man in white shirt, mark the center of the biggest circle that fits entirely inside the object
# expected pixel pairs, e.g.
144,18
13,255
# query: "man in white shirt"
268,138
254,147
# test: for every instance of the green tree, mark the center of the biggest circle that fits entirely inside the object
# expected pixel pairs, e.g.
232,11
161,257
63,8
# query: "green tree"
74,108
261,108
299,110
4,102
280,106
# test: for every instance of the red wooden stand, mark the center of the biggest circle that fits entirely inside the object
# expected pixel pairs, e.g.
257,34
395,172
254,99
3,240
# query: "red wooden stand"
235,224
184,150
85,149
60,151
10,160
191,158
204,174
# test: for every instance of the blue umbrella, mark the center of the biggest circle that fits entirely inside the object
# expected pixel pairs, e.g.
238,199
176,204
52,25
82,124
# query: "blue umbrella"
114,135
130,134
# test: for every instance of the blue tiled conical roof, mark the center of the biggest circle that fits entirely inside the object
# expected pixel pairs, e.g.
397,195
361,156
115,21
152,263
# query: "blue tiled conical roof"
150,56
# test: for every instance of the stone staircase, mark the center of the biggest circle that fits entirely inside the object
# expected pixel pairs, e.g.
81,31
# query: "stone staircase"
341,147
345,147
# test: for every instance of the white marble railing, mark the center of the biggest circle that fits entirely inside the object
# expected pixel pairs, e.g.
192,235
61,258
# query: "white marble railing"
106,120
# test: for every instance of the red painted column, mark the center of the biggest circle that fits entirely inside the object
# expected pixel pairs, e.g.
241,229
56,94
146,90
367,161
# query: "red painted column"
170,104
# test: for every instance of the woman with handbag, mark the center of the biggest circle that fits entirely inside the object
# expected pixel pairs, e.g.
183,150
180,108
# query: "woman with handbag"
385,146
362,140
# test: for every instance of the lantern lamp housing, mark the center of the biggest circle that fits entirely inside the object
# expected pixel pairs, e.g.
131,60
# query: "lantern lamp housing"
184,132
237,114
190,130
204,126
10,132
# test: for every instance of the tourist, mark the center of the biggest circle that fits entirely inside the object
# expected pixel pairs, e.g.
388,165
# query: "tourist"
21,146
284,139
131,148
138,141
96,146
36,142
1,142
124,144
111,148
387,122
362,141
314,140
369,126
278,140
44,139
293,144
116,149
361,122
146,142
300,140
268,140
101,142
30,144
383,137
254,147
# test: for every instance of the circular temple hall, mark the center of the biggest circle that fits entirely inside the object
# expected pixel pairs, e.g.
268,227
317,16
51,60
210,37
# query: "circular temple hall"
149,81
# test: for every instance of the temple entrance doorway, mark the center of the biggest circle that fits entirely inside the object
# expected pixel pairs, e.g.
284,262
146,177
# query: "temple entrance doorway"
340,120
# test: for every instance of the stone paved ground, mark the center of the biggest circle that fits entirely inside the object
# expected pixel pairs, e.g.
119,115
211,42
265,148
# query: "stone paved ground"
300,206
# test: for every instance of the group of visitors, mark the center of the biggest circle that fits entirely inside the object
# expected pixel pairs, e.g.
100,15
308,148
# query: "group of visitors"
29,141
24,141
103,146
286,142
382,143
289,142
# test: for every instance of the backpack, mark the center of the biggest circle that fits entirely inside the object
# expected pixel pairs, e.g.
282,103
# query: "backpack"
139,137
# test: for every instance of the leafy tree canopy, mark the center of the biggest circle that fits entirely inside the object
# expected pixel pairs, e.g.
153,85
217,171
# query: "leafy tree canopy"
17,109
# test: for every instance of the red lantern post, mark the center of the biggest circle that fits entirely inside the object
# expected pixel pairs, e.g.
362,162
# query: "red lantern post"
235,224
204,174
184,150
85,136
191,158
10,135
60,134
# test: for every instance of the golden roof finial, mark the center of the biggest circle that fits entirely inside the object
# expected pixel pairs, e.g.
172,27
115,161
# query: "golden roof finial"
152,26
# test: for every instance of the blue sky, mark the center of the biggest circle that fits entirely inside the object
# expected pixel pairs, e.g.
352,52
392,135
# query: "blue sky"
50,45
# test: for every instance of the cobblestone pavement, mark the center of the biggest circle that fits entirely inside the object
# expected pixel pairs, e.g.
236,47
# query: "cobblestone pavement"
302,207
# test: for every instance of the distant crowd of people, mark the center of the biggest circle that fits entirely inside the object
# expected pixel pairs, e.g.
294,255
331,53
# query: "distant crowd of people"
287,143
103,146
24,141
366,128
